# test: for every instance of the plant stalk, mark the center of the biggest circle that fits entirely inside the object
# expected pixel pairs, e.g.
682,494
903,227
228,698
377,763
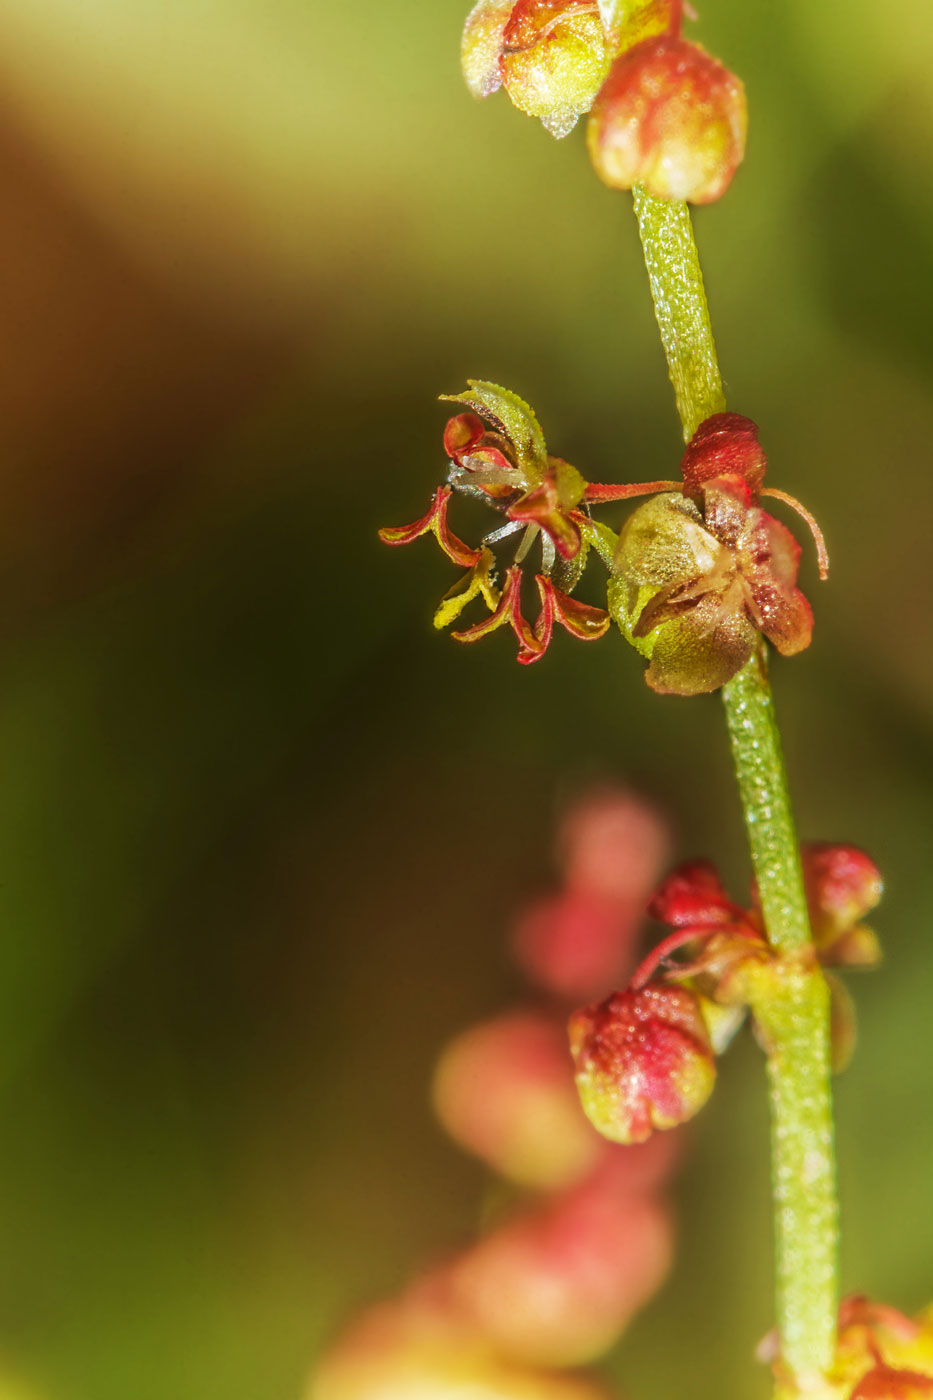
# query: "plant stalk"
793,1018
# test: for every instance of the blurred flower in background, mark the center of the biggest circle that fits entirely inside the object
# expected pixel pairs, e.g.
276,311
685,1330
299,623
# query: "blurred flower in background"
260,837
558,1276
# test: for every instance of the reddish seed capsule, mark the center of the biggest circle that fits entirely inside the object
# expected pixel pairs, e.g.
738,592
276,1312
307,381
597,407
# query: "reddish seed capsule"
671,118
643,1061
724,445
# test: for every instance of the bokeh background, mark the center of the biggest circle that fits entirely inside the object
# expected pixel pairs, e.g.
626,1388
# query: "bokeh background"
261,830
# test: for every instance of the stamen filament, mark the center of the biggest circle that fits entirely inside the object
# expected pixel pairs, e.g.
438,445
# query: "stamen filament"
601,491
822,554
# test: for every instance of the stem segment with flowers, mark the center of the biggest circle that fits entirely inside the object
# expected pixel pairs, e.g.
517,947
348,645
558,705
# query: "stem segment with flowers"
794,1016
701,578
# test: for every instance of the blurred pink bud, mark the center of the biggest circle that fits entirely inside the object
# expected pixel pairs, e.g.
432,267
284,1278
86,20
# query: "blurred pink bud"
843,885
556,1287
418,1348
612,848
643,1061
577,944
505,1091
614,845
637,1168
670,118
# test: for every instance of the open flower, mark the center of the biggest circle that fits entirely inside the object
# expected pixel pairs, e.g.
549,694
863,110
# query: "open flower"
497,454
702,571
552,56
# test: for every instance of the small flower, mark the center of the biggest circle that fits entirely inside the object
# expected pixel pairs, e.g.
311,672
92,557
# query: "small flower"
643,1060
724,946
669,118
700,573
552,56
720,950
498,455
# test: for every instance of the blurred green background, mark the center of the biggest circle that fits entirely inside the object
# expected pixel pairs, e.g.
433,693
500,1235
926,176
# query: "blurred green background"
261,830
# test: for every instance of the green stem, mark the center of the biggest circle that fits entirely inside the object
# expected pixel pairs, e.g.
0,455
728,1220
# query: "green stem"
794,1017
680,307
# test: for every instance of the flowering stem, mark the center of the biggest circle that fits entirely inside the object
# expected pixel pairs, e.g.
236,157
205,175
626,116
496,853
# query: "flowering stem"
680,307
794,1017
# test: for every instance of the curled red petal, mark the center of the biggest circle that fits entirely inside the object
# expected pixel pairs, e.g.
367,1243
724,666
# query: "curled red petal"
542,507
530,647
502,614
435,520
404,534
461,434
450,543
581,620
769,555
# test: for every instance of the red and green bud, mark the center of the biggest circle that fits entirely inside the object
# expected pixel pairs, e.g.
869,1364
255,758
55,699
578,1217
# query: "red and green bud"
552,56
643,1060
505,1091
843,885
671,119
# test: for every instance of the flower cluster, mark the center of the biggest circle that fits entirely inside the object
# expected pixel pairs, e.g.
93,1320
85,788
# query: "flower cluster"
497,454
644,1057
586,1238
665,114
696,574
881,1354
700,572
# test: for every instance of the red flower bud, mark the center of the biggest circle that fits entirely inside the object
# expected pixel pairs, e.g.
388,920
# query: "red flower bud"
504,1090
724,445
643,1060
670,118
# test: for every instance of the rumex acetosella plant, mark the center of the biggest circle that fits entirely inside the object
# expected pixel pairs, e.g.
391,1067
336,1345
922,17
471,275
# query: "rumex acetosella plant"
702,581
